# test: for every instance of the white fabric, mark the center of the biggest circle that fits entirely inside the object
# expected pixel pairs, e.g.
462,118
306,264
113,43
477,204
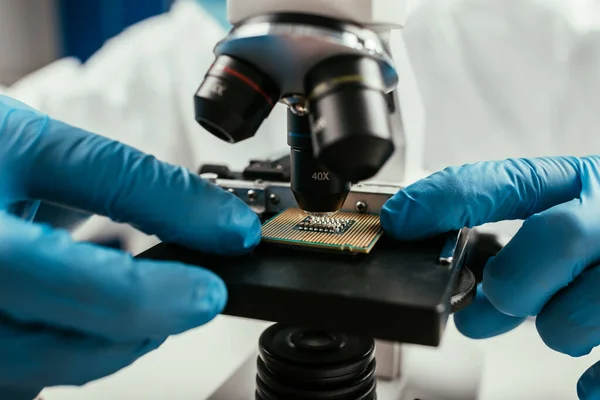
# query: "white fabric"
506,78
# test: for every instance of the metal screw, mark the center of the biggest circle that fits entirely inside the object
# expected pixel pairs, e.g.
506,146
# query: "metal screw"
252,195
296,103
274,198
361,206
299,109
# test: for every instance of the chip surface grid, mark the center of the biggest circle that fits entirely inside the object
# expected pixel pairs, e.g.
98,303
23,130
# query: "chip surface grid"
324,224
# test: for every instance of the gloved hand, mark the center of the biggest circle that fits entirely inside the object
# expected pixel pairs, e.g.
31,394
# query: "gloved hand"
73,312
549,269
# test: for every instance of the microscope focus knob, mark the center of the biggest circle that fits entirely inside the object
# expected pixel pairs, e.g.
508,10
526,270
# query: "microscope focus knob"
464,290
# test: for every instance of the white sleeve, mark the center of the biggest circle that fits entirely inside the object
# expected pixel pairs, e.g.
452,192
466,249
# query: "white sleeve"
511,78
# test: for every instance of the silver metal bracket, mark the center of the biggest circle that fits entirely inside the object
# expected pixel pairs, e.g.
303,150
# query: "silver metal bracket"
274,197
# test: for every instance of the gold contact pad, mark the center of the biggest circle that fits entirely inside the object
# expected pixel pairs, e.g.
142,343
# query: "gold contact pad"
359,238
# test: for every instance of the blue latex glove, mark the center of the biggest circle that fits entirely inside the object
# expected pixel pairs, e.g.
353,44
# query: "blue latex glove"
547,269
73,312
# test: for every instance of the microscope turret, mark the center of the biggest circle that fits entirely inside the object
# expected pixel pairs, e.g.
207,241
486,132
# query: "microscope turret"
334,73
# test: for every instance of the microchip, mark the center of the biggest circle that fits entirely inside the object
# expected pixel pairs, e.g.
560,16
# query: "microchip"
344,231
324,224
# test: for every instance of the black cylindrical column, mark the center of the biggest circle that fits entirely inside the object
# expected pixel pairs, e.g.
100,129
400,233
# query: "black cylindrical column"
316,189
306,364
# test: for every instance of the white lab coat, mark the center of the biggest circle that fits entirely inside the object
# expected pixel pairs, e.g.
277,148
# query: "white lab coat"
480,79
510,78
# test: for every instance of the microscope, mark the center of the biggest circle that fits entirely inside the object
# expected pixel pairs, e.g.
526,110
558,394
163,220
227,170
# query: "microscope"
338,319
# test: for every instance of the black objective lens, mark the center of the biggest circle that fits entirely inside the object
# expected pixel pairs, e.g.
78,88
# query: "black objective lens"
302,364
349,115
315,188
234,99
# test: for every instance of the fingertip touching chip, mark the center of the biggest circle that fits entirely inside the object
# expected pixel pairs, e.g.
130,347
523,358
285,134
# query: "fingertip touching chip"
344,231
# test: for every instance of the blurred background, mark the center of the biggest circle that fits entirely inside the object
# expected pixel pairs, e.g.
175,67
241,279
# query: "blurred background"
479,80
34,33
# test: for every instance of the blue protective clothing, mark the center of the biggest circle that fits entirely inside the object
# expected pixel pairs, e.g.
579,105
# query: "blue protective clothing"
548,268
218,10
73,312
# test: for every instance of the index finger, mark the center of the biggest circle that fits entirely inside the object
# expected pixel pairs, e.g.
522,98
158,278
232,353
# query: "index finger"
49,279
480,193
72,167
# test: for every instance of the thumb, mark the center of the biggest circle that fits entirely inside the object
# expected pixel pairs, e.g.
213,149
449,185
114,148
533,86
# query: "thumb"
481,320
588,387
476,194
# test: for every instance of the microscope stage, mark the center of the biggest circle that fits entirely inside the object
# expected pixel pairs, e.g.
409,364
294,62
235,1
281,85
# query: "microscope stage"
398,292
